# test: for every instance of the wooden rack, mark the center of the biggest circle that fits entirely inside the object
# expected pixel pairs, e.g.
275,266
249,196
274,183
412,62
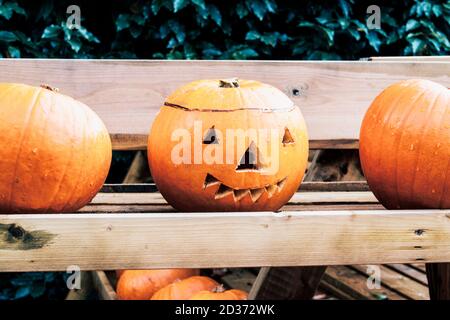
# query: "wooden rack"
323,224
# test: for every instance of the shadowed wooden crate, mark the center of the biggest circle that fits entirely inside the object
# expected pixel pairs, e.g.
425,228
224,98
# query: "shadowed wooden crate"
323,224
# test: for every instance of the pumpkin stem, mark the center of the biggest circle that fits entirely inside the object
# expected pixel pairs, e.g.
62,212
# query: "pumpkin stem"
49,87
229,83
218,289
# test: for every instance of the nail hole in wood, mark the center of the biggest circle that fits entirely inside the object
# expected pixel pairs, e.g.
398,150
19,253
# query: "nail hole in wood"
16,231
419,232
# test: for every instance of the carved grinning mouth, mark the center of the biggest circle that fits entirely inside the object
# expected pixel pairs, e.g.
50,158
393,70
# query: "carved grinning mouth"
239,194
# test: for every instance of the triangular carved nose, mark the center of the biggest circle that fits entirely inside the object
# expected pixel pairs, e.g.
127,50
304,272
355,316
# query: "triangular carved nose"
287,137
251,160
211,136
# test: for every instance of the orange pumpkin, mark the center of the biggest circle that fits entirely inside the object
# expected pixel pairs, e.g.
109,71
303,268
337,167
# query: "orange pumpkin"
185,289
405,145
228,145
219,293
55,152
142,284
119,273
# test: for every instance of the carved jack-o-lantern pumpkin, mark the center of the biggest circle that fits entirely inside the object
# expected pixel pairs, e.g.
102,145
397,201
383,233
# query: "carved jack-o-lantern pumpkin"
228,145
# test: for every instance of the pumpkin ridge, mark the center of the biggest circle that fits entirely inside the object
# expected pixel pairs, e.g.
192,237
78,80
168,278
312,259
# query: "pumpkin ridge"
28,121
60,182
73,191
441,200
423,130
391,109
404,121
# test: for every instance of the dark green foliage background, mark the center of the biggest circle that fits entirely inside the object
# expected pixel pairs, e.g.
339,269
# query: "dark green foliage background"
200,29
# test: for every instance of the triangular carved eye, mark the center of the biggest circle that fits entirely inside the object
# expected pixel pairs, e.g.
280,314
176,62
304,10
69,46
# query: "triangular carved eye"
287,137
251,160
211,136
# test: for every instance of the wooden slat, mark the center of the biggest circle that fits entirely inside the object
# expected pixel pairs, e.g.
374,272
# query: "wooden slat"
410,272
418,266
305,186
333,96
438,275
412,58
241,279
185,240
297,198
103,286
395,281
288,283
350,284
137,171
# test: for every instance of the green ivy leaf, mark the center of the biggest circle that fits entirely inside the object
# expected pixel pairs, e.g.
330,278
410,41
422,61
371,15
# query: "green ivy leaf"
271,6
252,35
211,53
156,6
7,36
258,8
355,34
199,3
22,292
51,32
241,10
44,10
89,36
9,8
412,24
345,7
270,39
177,29
75,44
215,14
417,45
122,22
374,40
437,10
13,52
179,4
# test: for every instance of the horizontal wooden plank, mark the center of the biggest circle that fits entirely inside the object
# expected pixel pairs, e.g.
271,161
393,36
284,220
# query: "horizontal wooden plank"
304,187
235,239
127,94
297,198
412,58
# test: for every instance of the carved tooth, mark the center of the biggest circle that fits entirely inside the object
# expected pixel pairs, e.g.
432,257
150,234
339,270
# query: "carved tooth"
239,194
222,192
210,181
281,184
271,189
256,193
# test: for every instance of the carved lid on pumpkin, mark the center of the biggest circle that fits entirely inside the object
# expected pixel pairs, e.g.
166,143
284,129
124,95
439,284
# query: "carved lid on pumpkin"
229,95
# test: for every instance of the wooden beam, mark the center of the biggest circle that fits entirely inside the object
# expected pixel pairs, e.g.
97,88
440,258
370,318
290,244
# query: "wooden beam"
103,286
297,198
127,94
438,275
183,240
412,59
304,187
290,283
